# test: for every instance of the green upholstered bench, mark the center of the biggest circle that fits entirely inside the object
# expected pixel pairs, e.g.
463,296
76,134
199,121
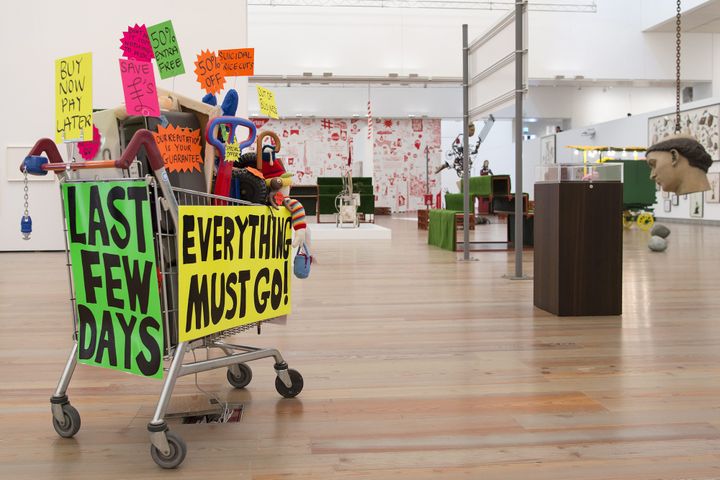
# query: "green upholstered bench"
307,195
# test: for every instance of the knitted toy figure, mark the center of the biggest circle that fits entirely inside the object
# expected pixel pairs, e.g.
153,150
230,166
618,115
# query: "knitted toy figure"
279,182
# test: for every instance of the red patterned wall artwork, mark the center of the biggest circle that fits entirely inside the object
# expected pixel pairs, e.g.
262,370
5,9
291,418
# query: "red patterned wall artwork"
399,161
320,147
316,147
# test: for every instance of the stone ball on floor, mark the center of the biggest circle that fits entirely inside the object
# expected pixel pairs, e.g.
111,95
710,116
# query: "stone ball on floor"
660,230
657,244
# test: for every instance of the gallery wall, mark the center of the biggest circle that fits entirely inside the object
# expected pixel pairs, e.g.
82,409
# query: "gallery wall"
48,30
634,131
319,147
611,44
362,41
589,105
394,156
659,11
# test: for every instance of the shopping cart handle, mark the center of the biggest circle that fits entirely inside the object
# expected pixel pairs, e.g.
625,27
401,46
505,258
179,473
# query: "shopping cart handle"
36,164
142,138
233,122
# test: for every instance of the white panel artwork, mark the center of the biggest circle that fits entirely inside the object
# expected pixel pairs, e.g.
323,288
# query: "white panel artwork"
701,123
325,147
400,162
316,147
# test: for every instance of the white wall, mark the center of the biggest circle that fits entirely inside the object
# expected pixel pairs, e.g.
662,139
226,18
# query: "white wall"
590,105
610,44
361,41
34,34
659,11
339,102
628,131
716,66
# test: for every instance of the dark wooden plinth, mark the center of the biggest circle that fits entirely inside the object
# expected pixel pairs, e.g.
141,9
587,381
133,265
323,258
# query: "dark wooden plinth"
578,248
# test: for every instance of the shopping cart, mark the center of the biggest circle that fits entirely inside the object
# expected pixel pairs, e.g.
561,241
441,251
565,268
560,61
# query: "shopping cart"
167,449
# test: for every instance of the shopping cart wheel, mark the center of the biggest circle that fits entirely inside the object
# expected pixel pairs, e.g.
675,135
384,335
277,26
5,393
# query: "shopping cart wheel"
242,380
71,423
178,450
294,390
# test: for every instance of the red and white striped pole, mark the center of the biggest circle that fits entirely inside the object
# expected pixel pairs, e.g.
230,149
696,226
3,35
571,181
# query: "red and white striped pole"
370,121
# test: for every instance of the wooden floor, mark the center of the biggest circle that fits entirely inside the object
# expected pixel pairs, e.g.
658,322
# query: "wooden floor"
416,367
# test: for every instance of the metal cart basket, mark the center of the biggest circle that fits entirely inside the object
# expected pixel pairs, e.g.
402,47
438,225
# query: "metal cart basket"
167,449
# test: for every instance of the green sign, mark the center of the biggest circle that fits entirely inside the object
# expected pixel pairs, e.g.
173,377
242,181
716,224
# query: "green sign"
166,49
112,253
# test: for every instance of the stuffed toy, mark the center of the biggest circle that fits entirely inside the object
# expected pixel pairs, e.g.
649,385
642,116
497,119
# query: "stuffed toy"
279,181
269,184
229,105
276,182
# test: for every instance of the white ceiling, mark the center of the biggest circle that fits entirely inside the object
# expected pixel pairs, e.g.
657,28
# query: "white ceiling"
702,19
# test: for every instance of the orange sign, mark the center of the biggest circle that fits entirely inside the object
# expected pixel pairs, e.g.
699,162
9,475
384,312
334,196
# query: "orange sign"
239,62
180,148
209,72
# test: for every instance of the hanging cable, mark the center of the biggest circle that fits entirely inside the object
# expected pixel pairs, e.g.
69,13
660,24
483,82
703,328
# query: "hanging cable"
677,69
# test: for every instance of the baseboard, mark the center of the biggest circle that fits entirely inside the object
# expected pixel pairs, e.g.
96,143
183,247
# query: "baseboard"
689,221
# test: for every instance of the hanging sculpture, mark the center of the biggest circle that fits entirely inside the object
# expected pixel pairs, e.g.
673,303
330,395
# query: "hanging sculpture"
679,164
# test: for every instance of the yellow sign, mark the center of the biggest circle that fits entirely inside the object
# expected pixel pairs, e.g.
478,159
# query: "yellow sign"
232,152
234,267
73,98
267,102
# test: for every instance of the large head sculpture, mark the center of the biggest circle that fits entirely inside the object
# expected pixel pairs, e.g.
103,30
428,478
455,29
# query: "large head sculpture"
679,164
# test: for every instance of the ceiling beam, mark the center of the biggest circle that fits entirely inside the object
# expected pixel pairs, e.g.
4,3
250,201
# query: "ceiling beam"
582,6
411,80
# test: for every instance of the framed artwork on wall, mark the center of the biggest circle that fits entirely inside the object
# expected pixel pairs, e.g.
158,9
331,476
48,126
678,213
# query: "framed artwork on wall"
702,123
14,155
713,195
675,199
547,146
696,204
667,205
